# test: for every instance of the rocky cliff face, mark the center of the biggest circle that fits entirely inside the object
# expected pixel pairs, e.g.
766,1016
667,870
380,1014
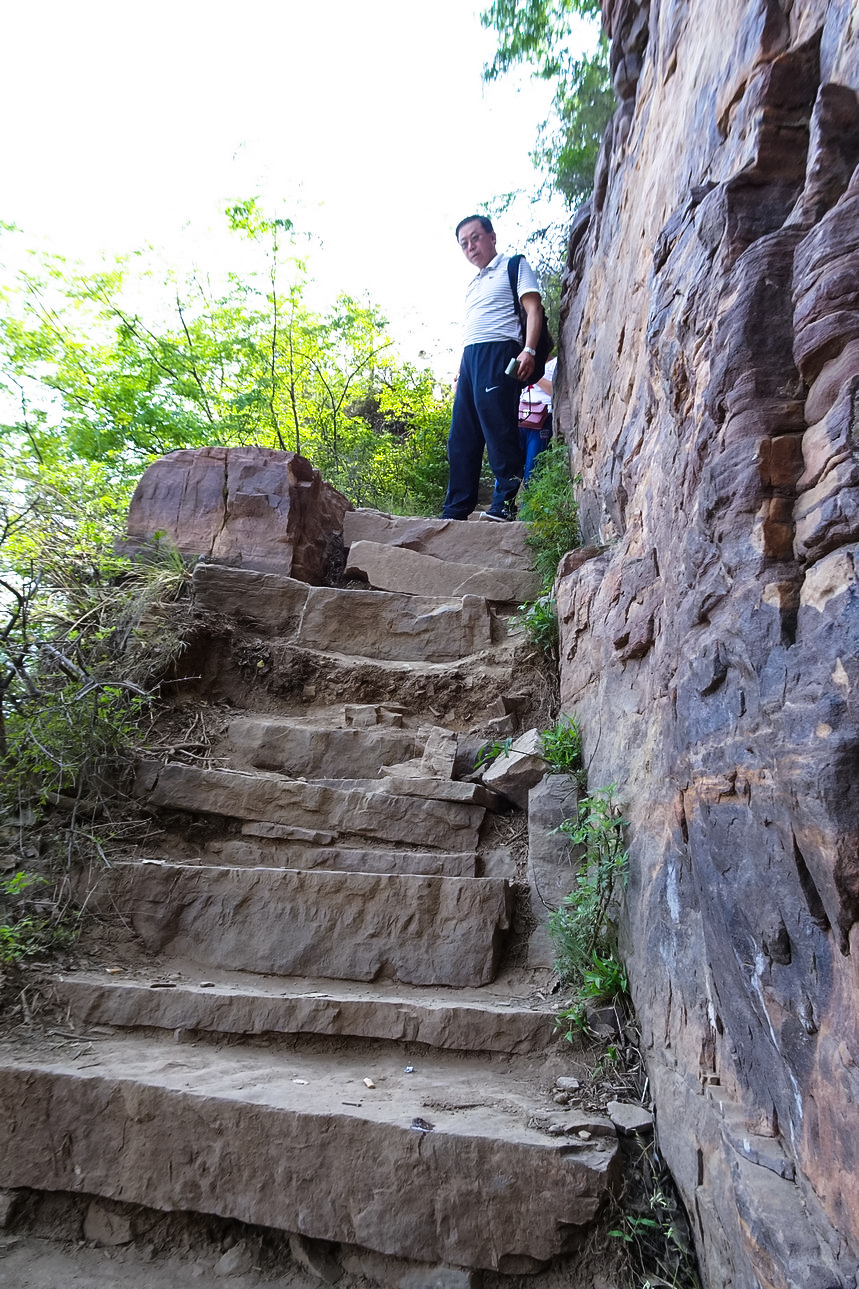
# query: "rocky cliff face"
709,391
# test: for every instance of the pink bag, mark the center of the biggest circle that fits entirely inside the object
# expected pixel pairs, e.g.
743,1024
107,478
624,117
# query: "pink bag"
532,415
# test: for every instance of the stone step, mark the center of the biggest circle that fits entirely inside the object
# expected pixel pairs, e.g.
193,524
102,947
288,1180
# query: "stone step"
438,1165
296,748
395,568
480,1020
369,624
270,798
352,741
443,931
487,545
262,846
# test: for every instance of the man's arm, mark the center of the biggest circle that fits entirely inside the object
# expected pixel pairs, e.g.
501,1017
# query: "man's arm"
534,314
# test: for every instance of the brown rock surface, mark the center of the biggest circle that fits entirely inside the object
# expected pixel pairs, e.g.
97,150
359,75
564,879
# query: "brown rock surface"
395,568
270,798
255,1136
486,545
350,926
467,1021
708,389
257,507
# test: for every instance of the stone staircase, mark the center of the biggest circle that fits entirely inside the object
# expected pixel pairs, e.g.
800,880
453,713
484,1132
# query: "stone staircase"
329,1035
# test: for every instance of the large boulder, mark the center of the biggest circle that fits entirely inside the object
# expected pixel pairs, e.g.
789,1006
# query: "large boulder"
256,507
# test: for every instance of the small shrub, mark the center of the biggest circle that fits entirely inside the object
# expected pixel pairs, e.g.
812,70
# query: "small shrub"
562,749
551,512
580,926
540,623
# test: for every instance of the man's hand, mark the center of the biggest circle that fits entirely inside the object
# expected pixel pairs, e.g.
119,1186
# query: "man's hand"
525,364
534,314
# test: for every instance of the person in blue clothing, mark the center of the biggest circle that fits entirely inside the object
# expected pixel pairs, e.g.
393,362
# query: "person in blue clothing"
535,441
486,405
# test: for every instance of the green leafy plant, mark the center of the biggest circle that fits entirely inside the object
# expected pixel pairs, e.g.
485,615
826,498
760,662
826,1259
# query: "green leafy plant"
540,623
562,749
491,751
23,934
550,510
546,35
653,1228
581,927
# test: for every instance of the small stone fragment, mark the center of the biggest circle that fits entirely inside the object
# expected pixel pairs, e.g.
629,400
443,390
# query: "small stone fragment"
628,1116
422,1125
566,1083
303,1082
368,1083
101,1226
237,1261
584,1135
561,1098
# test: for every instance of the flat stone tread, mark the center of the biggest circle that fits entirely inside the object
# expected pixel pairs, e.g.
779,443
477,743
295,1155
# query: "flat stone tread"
464,1019
462,1097
499,545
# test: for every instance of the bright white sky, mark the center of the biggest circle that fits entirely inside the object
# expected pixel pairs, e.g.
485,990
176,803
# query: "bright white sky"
127,121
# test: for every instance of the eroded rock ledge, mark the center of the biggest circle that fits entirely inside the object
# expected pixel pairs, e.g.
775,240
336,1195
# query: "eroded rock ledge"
708,387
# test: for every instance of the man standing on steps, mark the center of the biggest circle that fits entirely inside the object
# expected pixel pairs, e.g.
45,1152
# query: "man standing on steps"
486,406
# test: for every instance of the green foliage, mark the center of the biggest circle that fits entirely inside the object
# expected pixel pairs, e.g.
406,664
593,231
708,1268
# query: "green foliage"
93,374
580,927
23,932
542,34
491,751
551,512
562,749
540,622
654,1229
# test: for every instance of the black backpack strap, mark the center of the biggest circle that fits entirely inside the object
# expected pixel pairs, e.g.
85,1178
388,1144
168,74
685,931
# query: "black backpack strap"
513,276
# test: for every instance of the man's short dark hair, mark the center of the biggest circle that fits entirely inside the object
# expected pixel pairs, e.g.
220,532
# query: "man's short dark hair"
484,221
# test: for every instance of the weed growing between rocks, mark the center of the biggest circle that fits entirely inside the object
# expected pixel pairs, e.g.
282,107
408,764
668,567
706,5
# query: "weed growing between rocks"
539,621
562,749
650,1224
551,512
581,926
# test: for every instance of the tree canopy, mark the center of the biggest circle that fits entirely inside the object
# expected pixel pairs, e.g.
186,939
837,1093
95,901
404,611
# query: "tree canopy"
543,34
113,368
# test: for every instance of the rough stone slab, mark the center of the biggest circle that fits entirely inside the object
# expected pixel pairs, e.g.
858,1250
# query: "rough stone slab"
266,1138
468,1021
628,1116
516,771
267,798
265,509
347,859
442,790
262,599
350,926
394,568
272,743
487,545
394,627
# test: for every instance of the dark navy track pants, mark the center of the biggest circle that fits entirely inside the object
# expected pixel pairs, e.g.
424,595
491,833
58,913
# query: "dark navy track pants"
485,413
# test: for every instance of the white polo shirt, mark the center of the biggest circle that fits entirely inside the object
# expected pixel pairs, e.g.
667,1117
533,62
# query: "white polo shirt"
490,313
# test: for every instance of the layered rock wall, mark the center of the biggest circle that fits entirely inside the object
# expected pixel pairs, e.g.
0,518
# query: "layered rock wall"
709,390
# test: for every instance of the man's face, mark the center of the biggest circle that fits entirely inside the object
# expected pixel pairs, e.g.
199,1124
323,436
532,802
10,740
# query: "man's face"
478,246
